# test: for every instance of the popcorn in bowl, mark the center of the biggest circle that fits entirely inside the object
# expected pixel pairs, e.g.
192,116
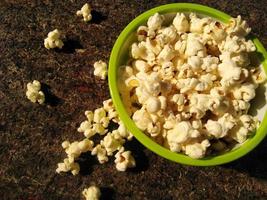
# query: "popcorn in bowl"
188,84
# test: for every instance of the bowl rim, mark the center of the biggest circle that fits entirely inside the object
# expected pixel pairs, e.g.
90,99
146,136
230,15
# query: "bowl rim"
232,155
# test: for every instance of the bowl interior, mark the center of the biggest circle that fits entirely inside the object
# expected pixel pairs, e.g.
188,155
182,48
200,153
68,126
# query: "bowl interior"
119,56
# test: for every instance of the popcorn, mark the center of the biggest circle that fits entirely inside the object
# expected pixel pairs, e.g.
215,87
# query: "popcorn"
197,150
141,65
124,160
53,40
181,23
68,165
166,54
238,27
221,127
194,46
112,142
155,21
34,93
189,83
92,193
101,153
180,133
245,92
85,12
168,34
197,24
101,69
195,63
229,72
75,149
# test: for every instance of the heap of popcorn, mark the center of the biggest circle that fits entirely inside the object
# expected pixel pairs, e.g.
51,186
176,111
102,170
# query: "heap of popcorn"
188,84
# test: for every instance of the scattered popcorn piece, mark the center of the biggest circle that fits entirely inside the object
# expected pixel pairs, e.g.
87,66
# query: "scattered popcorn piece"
101,153
92,193
112,142
101,69
53,40
124,160
34,93
85,12
68,165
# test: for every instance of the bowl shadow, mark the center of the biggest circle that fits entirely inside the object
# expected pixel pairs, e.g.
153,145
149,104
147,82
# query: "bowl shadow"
254,163
107,193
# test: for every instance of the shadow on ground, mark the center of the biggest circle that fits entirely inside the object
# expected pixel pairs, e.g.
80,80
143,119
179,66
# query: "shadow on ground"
254,163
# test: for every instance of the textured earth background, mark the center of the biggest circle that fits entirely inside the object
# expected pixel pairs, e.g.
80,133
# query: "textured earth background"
31,134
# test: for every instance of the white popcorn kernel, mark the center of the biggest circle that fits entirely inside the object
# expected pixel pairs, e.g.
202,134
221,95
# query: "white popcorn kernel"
141,66
229,72
124,133
167,71
101,153
197,24
101,69
53,40
245,92
155,21
140,51
124,160
85,12
180,47
210,63
68,165
238,27
34,93
258,76
99,128
75,149
154,129
239,134
187,84
168,34
249,122
92,193
195,63
143,33
241,106
86,128
155,45
99,113
221,127
141,119
152,105
166,54
181,23
112,142
197,150
194,47
181,132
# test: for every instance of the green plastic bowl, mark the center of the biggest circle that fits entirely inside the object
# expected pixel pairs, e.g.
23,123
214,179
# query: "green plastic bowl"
119,57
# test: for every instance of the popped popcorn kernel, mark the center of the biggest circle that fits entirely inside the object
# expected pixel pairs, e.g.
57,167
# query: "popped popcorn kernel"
124,160
53,40
85,12
34,93
92,193
101,69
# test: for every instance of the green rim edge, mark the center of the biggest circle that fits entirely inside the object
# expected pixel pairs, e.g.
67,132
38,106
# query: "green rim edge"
144,139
